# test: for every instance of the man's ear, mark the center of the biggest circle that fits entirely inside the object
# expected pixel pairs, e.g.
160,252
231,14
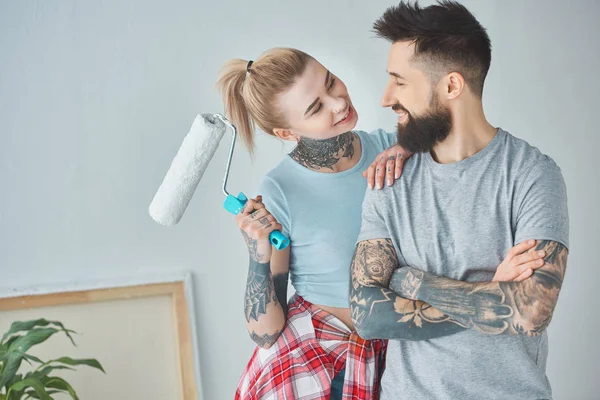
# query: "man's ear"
455,84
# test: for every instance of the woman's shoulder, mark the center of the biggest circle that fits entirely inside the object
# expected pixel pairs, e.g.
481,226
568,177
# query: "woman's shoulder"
272,187
271,182
279,181
379,139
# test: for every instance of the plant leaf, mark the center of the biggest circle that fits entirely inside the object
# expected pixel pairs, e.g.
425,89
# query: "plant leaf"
34,383
31,394
17,350
46,370
90,362
10,368
33,337
33,358
5,346
20,326
55,382
14,380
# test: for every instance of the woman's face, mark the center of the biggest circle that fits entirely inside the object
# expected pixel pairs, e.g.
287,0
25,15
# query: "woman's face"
317,106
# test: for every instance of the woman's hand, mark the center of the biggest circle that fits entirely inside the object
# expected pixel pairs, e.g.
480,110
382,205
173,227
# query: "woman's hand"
387,166
520,262
257,224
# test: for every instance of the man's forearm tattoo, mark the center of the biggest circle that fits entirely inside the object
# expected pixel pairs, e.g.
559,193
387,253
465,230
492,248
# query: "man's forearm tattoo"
494,307
377,311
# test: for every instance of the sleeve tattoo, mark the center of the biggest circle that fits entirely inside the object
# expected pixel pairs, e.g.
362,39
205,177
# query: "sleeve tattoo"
262,288
378,312
513,308
266,339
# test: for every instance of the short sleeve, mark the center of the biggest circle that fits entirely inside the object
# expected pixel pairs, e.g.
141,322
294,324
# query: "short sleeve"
384,139
276,203
373,224
541,200
392,139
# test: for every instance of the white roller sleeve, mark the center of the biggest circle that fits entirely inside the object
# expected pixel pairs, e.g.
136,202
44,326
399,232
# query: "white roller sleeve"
187,168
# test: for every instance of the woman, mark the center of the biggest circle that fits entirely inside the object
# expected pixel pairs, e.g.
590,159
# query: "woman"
307,349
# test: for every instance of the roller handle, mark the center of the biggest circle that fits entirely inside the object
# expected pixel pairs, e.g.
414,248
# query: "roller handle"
235,204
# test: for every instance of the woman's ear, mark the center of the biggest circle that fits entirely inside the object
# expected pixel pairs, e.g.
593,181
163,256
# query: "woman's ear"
285,134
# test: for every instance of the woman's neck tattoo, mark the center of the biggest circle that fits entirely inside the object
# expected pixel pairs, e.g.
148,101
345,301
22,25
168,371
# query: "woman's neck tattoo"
318,154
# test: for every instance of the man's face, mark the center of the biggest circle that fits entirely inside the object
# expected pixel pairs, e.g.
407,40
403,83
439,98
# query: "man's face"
423,121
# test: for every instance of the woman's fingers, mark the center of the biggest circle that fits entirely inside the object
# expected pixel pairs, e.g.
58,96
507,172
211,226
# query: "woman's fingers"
251,205
399,165
257,227
272,226
371,175
390,169
256,214
380,172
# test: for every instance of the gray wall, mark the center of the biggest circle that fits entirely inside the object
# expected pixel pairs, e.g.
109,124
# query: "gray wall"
95,97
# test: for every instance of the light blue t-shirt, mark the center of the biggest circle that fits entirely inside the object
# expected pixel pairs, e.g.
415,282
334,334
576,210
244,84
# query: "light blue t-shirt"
320,213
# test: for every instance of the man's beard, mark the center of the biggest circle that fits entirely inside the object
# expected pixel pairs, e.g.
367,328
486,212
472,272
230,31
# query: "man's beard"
421,133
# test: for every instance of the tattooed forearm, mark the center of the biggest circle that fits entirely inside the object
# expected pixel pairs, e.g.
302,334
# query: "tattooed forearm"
260,290
280,282
265,340
317,154
494,307
255,255
378,312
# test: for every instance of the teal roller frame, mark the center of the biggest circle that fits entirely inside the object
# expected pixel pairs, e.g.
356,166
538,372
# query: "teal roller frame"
235,204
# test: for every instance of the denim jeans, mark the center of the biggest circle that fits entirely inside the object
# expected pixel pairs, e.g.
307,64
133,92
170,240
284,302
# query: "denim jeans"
337,385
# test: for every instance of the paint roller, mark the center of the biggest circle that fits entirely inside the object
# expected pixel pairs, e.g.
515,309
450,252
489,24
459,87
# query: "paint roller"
187,168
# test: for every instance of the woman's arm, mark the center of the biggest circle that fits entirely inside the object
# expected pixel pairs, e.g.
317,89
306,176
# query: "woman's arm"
265,301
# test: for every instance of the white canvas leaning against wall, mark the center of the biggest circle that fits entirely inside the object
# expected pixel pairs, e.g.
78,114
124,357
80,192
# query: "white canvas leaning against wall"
140,330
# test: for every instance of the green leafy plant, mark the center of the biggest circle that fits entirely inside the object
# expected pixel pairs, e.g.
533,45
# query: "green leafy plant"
39,383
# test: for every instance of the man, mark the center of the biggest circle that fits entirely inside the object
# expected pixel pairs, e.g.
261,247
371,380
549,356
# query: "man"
430,244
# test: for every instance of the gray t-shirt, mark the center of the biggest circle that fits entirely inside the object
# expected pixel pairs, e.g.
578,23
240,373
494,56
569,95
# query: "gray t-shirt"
459,220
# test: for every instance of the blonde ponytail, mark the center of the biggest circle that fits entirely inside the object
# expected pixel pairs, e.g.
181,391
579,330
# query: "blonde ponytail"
250,97
231,86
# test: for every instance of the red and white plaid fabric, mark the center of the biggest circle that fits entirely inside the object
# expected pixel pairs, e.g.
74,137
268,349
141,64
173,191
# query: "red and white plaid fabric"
312,349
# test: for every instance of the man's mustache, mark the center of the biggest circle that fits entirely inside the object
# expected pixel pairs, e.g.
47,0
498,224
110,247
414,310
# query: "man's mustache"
399,107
